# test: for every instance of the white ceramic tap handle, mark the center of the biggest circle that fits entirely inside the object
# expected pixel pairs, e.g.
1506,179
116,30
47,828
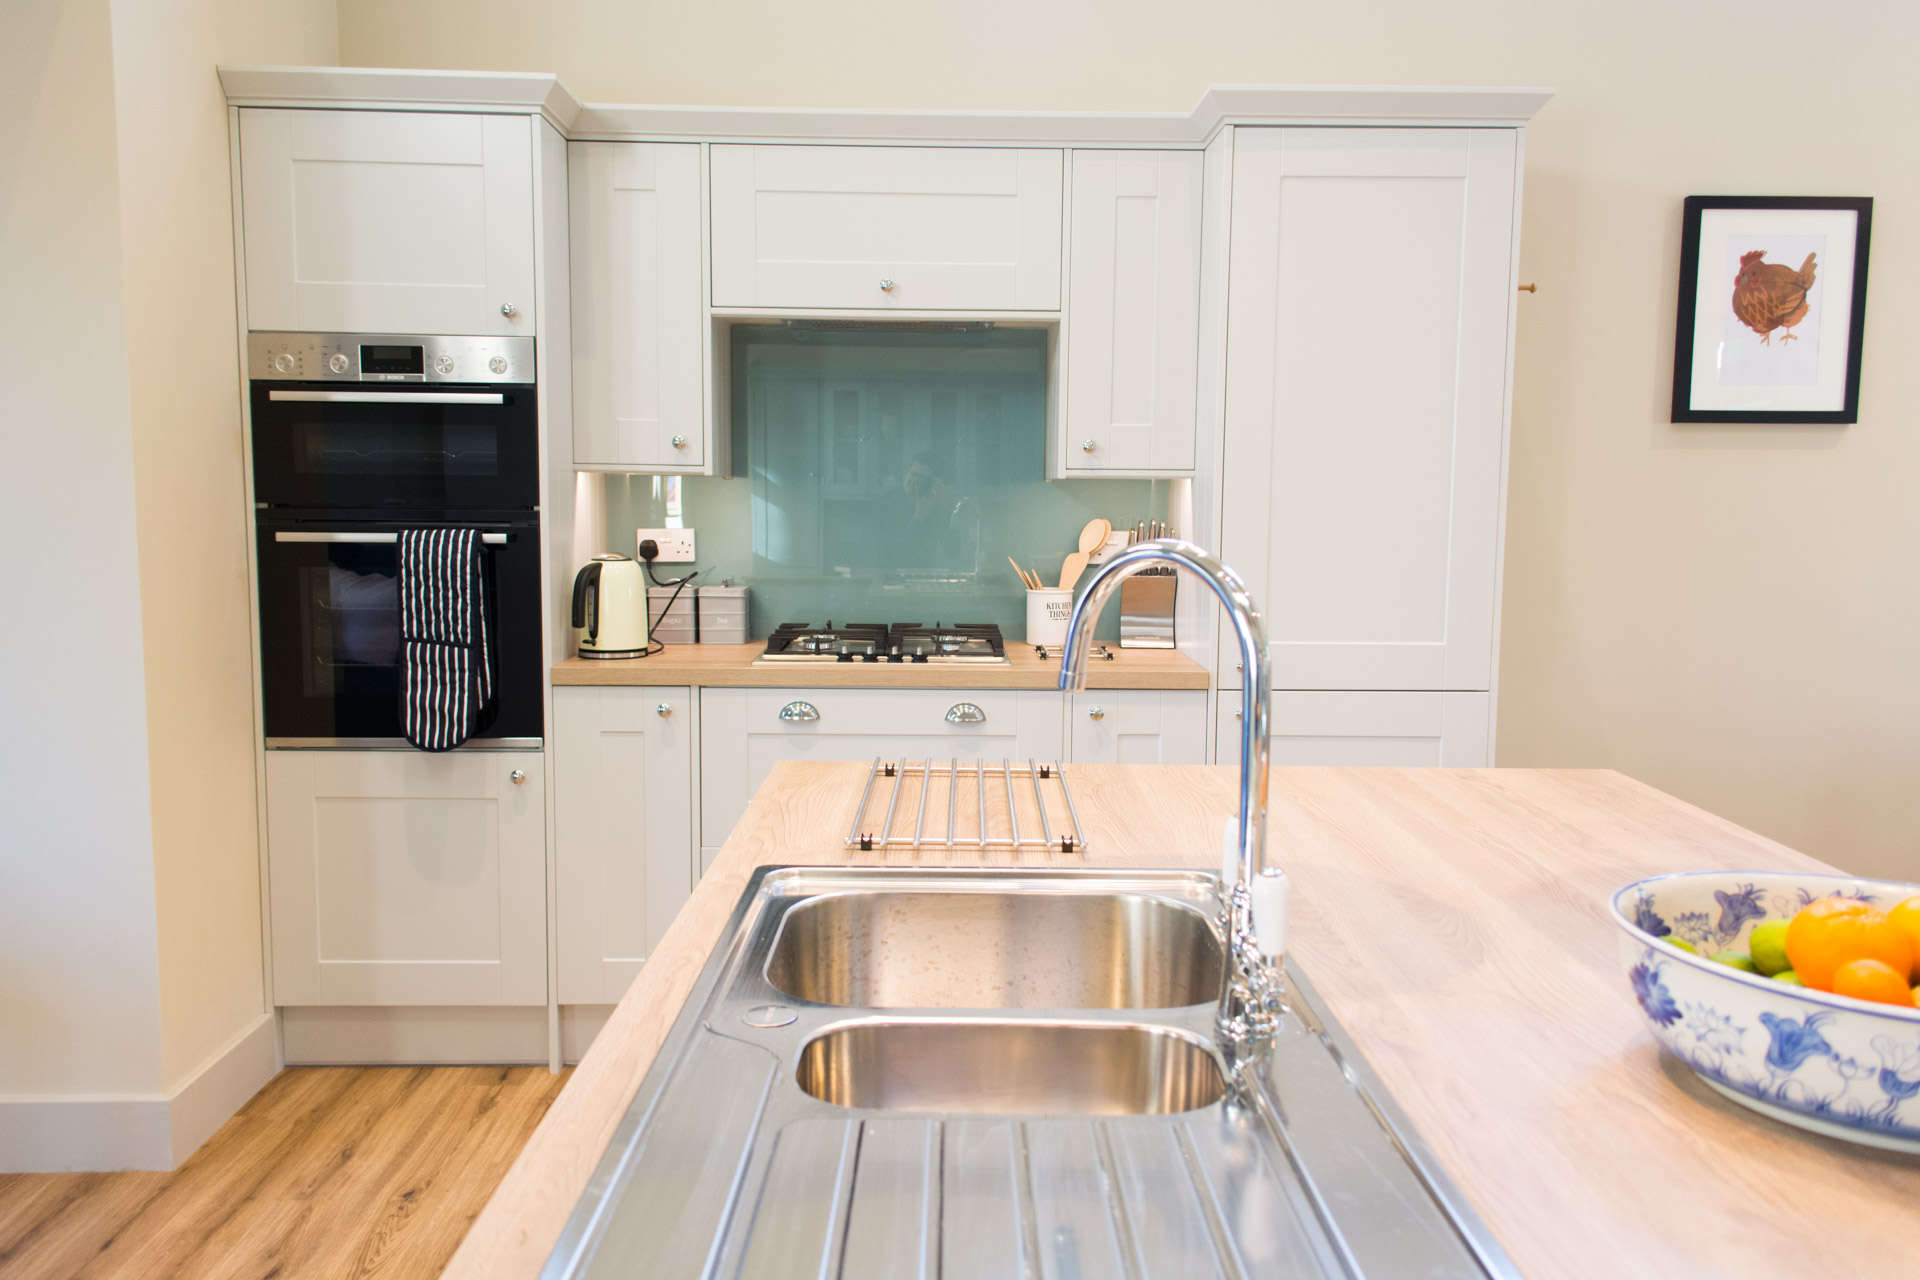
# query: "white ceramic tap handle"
1271,890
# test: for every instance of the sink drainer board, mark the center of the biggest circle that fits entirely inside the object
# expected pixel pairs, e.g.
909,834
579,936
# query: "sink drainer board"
884,1141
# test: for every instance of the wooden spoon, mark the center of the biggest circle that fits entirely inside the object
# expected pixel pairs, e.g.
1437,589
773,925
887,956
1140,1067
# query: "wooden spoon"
1070,571
1095,535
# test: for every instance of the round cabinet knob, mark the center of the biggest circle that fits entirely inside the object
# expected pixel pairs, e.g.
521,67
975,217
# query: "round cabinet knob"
518,776
1088,446
665,708
338,362
283,363
679,442
443,365
508,310
1096,713
1239,714
498,364
886,284
1240,665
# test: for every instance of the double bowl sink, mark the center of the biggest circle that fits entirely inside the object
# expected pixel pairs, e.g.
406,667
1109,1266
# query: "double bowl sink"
1003,1073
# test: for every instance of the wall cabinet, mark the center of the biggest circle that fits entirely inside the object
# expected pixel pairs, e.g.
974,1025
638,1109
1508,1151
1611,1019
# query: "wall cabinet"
745,732
1370,287
886,228
623,830
1132,342
1138,726
387,221
639,385
407,878
1310,727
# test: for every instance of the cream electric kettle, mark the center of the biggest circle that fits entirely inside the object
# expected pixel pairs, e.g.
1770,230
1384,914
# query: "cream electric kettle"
610,608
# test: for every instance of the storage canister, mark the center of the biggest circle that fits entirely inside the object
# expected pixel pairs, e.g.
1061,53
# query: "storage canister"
723,614
678,626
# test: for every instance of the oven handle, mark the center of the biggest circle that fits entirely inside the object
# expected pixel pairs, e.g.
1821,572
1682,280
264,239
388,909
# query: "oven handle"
281,535
389,397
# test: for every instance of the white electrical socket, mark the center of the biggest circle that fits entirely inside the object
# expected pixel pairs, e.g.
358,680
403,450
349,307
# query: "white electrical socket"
676,545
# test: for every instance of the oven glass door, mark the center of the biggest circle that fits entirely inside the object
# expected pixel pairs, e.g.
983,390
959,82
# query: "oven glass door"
330,629
444,447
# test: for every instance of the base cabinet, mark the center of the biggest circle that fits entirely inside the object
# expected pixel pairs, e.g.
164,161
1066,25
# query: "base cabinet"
407,878
623,831
1309,727
1138,726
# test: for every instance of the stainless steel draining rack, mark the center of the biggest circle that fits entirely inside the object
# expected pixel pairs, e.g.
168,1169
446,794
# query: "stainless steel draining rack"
986,779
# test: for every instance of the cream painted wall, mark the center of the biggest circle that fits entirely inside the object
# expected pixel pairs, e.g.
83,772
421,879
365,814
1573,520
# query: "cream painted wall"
176,217
1730,613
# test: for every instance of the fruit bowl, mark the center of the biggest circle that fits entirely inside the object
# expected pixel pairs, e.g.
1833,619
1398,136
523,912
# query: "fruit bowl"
1839,1066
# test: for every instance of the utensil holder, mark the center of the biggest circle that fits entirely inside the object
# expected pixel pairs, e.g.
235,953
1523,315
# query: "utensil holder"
1047,613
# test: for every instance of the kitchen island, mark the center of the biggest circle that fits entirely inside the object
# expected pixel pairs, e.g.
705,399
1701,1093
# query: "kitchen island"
1454,922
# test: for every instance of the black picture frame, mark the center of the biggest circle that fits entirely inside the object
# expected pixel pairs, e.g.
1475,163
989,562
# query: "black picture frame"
1686,330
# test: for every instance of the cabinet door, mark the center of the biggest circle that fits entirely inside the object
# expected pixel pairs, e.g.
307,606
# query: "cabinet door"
742,735
886,228
623,831
387,221
1370,286
638,384
1139,726
402,877
1370,728
1133,337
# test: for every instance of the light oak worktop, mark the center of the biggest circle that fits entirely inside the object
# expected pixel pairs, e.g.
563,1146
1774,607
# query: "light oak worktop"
732,664
1455,923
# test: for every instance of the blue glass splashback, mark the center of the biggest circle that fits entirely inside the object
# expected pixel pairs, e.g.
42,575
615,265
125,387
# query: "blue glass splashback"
885,476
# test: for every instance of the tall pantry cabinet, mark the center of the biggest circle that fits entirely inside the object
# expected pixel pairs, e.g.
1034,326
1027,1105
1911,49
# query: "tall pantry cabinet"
1370,296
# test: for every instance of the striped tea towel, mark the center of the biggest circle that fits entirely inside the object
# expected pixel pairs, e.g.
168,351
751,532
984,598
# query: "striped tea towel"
446,655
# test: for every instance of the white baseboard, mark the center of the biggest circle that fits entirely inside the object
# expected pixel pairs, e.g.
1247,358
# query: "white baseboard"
389,1035
99,1133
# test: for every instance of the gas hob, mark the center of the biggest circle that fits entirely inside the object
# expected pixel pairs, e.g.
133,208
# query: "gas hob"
971,643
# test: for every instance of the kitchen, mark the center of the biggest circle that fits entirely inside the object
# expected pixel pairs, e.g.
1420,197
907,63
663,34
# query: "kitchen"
1681,605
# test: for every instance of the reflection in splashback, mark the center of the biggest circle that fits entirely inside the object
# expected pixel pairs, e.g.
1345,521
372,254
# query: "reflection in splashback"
885,476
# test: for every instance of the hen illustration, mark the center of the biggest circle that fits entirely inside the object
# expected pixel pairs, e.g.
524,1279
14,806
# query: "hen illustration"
1771,295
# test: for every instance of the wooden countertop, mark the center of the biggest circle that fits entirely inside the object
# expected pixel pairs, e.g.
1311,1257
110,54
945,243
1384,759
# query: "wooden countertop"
732,664
1455,923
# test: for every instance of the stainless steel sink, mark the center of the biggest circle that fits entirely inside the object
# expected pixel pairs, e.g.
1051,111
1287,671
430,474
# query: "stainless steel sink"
1053,1108
986,950
976,1067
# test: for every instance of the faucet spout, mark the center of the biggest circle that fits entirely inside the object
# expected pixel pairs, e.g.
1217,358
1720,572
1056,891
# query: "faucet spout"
1248,996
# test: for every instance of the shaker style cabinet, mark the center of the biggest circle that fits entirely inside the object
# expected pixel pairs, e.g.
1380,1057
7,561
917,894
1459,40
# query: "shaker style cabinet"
886,228
639,386
1370,288
407,878
1308,727
387,221
1138,726
1132,338
623,830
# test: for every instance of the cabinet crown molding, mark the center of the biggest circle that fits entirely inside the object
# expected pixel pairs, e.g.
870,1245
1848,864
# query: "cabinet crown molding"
542,94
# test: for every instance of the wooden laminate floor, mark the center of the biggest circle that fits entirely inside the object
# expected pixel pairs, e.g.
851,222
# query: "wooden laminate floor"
328,1173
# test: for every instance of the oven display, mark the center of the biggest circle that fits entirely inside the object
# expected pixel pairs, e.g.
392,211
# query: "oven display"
392,360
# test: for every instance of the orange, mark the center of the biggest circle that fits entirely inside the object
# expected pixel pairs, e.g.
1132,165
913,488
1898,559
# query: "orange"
1872,980
1906,917
1833,931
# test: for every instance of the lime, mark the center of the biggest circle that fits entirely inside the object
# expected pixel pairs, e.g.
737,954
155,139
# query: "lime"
1768,945
1735,960
1675,940
1787,976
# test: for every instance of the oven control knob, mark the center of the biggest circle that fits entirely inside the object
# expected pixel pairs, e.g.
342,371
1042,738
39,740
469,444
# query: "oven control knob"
443,365
283,363
498,364
338,362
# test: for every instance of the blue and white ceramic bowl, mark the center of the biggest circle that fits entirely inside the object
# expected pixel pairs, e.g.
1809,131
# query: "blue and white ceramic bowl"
1839,1066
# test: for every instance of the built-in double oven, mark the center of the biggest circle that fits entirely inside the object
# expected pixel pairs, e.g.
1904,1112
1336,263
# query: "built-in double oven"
357,437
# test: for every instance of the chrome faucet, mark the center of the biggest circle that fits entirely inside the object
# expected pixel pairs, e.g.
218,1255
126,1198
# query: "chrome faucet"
1253,911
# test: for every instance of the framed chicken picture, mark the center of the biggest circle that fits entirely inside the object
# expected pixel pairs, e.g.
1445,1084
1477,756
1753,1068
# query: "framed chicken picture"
1773,295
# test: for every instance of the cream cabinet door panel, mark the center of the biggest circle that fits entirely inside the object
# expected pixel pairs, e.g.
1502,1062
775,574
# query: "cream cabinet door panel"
387,221
1314,727
1371,281
1132,360
638,326
742,735
1139,726
886,228
623,831
408,878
